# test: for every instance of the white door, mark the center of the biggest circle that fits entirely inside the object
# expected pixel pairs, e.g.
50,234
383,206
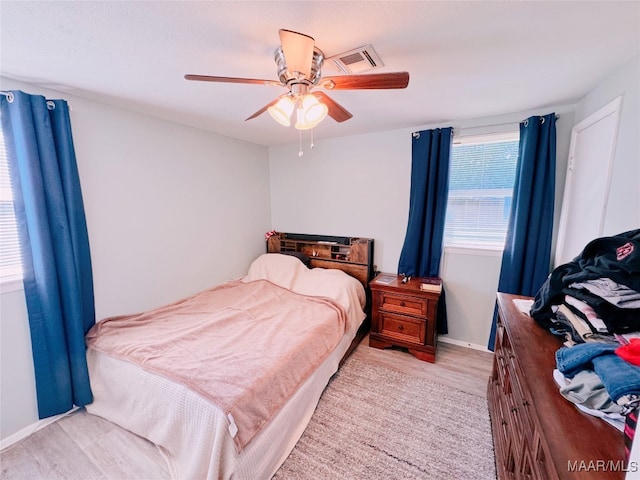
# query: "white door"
586,188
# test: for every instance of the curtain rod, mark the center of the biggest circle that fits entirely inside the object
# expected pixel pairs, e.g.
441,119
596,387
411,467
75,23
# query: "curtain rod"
496,125
50,104
459,129
10,97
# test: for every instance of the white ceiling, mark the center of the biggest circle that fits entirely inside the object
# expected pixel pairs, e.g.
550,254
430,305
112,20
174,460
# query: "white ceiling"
466,59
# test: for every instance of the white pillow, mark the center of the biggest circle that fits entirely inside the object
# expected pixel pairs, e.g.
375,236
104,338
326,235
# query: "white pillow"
290,273
277,268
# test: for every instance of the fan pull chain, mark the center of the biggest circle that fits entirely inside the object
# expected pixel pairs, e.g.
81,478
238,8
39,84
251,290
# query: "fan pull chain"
312,139
300,153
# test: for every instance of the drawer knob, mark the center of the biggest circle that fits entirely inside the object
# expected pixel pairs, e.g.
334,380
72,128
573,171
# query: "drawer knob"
402,304
400,327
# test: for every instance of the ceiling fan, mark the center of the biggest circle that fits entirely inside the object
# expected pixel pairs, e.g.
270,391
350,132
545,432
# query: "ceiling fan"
299,64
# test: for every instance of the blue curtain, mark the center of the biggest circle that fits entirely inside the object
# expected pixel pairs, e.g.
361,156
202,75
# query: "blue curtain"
57,274
422,247
527,249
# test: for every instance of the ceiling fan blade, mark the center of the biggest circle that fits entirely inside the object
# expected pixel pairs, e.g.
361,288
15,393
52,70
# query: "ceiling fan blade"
254,81
298,51
263,109
336,111
363,82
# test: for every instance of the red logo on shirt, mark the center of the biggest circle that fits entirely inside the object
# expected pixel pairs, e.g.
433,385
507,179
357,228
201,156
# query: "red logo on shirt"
624,251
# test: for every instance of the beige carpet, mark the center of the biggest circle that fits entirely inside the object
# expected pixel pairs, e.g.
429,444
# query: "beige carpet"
376,423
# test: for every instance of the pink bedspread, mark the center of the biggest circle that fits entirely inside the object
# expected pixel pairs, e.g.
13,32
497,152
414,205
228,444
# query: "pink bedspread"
246,347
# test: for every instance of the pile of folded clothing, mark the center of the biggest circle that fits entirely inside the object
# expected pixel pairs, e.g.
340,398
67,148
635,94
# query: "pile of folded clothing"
593,303
595,296
599,378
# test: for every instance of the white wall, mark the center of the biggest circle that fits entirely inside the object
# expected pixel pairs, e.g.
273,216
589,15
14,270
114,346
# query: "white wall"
170,211
18,407
352,186
623,207
173,209
359,186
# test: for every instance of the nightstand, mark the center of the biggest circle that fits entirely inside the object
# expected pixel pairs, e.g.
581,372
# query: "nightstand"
404,314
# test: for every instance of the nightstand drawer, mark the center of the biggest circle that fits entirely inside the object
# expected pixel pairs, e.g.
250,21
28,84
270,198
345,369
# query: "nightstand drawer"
402,328
404,304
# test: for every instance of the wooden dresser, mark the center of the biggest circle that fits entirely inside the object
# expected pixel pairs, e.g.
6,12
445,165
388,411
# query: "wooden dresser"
537,433
404,315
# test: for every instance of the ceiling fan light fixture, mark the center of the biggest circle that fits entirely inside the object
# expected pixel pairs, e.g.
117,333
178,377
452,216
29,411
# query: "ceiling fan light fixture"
281,111
310,112
299,64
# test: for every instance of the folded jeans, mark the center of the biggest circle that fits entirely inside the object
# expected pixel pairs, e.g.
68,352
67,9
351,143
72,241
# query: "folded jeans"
619,377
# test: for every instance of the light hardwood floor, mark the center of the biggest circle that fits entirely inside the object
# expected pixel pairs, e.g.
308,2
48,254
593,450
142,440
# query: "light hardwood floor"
84,447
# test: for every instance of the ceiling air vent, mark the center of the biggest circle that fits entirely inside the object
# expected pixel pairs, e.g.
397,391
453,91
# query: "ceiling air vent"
357,60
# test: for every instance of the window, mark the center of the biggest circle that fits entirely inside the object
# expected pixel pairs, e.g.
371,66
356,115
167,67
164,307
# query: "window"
10,261
481,179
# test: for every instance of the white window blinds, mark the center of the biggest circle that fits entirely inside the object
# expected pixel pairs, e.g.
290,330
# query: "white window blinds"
481,179
10,261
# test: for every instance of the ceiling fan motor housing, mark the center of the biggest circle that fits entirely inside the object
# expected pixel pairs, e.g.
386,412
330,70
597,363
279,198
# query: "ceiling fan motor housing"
287,77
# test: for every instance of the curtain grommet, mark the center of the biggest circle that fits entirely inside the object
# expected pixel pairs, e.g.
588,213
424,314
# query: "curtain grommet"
51,105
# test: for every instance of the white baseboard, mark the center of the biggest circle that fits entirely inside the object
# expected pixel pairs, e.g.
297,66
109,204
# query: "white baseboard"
460,343
34,427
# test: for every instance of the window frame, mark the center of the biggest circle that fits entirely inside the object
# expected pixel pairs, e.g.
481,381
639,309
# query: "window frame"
492,249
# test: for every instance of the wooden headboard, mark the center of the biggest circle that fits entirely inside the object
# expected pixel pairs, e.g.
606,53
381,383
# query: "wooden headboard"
353,255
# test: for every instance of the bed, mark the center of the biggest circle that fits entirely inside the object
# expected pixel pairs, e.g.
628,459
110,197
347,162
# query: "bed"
225,382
